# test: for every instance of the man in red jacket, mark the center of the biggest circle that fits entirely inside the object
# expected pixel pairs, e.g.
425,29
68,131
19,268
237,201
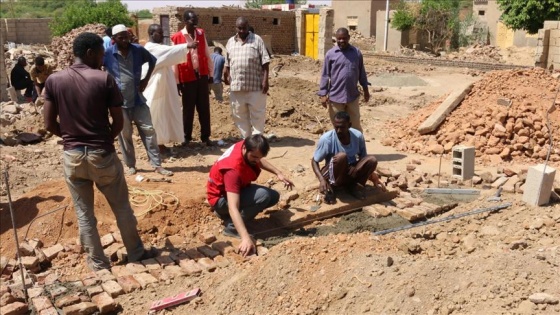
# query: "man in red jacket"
193,78
230,192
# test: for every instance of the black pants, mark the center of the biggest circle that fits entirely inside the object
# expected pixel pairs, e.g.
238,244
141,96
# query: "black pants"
195,96
27,85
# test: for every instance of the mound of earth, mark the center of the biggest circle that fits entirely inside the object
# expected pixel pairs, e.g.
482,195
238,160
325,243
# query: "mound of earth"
504,116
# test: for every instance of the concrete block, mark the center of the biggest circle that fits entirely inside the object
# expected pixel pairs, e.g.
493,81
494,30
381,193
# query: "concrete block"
84,308
463,162
448,105
105,303
538,186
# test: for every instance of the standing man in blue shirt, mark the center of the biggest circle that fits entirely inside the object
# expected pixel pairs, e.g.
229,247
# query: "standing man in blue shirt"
342,70
347,164
219,62
124,61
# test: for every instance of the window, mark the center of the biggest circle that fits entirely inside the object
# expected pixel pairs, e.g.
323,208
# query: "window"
481,12
275,21
216,20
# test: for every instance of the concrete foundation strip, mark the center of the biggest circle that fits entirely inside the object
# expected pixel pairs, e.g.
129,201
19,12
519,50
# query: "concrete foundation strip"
449,218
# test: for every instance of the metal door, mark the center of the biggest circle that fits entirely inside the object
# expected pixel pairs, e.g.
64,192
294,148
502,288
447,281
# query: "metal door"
312,35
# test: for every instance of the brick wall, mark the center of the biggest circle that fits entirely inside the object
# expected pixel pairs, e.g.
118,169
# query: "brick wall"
548,46
26,31
219,24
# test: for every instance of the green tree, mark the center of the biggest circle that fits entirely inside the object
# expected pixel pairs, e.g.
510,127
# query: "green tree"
256,4
143,14
83,12
529,15
32,8
438,19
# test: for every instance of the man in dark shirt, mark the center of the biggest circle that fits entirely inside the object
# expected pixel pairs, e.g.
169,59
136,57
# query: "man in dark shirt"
82,96
21,79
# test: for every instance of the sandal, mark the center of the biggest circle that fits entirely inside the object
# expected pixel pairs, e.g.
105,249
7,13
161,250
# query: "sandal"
162,171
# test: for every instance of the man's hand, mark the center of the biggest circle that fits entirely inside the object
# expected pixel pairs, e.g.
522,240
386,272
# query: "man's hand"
143,85
246,247
265,86
287,183
192,45
366,94
325,187
179,86
377,182
324,100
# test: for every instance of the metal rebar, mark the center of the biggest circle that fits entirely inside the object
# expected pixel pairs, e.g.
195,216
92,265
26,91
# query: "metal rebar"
449,218
15,234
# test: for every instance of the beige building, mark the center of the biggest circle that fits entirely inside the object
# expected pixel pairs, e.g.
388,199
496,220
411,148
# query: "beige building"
359,15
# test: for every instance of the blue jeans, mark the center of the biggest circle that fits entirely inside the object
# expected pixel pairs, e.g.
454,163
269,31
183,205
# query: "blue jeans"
140,115
82,168
253,200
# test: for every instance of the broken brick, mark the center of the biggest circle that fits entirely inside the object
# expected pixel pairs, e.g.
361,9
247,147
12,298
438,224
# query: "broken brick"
26,250
117,236
31,263
57,290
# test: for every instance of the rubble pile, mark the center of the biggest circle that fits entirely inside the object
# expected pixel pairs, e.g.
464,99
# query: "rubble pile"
62,46
362,42
29,52
504,117
480,53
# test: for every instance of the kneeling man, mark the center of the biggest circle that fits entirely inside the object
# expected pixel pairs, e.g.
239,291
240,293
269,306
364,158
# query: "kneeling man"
230,192
347,164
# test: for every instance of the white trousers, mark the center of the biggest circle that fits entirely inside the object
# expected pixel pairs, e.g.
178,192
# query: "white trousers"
249,111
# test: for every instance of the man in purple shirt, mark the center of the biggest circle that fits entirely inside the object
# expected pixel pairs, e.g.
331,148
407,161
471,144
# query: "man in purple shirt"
342,70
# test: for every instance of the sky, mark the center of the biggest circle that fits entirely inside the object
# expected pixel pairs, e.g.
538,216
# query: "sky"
134,5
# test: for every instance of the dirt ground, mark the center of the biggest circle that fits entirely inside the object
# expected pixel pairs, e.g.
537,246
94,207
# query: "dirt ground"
489,263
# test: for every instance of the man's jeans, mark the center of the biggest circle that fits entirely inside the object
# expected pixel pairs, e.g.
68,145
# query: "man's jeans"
218,90
82,168
140,115
253,200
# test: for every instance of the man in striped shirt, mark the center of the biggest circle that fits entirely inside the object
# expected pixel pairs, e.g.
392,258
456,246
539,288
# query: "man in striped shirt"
246,71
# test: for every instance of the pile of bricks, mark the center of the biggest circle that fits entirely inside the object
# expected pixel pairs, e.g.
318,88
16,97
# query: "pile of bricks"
94,292
503,117
62,46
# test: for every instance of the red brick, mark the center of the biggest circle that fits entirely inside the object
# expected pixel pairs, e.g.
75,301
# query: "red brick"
144,279
52,252
208,252
4,288
175,271
41,303
67,301
117,236
176,241
207,237
105,275
207,263
111,251
84,308
7,298
35,292
224,248
57,290
190,266
165,261
151,264
97,289
16,308
50,279
160,274
49,311
128,283
136,267
104,302
35,243
113,288
120,271
107,240
194,254
26,250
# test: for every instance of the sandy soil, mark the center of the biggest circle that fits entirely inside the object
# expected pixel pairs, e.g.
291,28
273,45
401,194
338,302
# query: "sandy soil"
484,264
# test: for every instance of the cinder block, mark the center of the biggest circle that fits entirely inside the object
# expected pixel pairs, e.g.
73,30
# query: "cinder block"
538,185
463,162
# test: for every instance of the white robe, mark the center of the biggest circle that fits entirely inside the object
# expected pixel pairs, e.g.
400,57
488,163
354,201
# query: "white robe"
161,93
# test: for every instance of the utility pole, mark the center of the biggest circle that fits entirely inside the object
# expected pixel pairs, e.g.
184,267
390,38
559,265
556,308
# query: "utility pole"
386,26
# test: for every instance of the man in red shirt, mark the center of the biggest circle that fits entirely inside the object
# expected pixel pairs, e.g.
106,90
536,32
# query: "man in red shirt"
193,78
230,192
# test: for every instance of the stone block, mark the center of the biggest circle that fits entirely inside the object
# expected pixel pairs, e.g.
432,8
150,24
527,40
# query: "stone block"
67,301
208,252
41,303
144,279
52,252
16,308
538,186
207,237
84,308
128,283
190,266
224,248
207,264
104,302
111,287
91,291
